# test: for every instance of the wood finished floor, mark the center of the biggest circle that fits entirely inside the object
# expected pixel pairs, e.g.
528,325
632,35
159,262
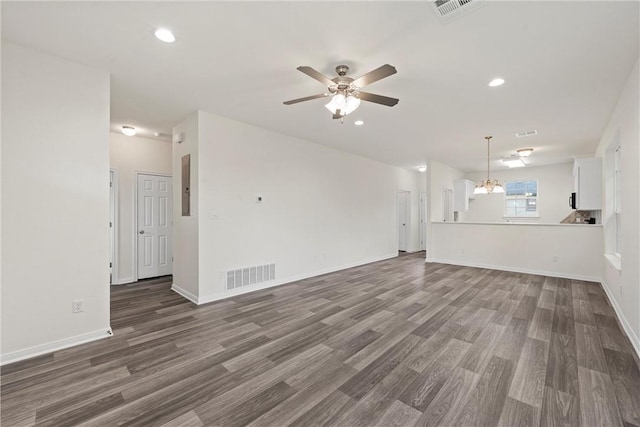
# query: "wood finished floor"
393,343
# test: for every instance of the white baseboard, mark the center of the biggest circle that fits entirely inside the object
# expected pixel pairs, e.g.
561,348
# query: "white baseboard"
188,295
124,281
253,288
635,342
517,270
38,350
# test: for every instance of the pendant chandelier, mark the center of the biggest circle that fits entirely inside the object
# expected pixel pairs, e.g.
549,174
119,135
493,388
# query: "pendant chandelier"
488,186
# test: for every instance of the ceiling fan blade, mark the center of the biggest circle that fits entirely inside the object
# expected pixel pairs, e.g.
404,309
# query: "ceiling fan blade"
306,98
378,99
316,75
379,73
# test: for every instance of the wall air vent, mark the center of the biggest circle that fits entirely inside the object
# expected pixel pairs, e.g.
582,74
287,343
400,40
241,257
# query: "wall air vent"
250,275
526,133
448,10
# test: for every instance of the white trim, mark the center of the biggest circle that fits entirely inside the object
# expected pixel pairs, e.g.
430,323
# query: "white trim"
635,342
125,281
114,227
38,350
188,295
228,294
517,270
135,215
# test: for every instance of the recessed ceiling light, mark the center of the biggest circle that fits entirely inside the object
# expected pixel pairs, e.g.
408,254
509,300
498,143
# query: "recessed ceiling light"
165,35
422,168
358,122
496,82
128,130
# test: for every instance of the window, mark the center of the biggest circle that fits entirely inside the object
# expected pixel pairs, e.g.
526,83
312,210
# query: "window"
521,199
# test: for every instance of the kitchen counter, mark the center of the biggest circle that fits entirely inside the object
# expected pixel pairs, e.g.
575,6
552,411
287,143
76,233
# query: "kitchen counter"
561,250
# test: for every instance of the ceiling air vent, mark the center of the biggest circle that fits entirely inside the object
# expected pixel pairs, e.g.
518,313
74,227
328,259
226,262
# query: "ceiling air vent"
448,10
526,133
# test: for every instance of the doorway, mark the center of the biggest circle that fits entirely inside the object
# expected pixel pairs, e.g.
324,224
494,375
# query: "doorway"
154,225
403,220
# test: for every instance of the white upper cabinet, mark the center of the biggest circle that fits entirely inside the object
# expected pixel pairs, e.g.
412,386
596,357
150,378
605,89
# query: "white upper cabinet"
587,175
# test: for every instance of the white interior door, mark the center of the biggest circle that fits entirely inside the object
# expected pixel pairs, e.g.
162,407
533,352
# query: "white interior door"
155,224
403,220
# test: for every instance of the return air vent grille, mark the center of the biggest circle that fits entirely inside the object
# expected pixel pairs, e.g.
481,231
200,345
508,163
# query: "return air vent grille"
526,133
448,10
250,275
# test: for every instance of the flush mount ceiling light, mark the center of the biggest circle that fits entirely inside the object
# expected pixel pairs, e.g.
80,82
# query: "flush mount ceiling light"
496,82
524,152
165,35
515,162
488,186
128,130
358,122
422,168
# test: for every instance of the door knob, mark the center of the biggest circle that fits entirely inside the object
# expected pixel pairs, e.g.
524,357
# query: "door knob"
141,232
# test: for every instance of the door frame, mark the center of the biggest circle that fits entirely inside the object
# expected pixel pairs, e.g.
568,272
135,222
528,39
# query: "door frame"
422,213
113,220
135,215
407,230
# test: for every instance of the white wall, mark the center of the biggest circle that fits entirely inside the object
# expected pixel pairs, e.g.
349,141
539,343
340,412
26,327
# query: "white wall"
438,178
186,236
441,177
55,202
128,155
555,185
322,209
624,290
528,248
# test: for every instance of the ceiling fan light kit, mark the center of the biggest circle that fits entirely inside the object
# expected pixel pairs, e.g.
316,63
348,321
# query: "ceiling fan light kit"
346,90
342,105
488,186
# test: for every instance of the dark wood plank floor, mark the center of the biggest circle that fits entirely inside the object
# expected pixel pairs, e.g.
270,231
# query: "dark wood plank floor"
398,342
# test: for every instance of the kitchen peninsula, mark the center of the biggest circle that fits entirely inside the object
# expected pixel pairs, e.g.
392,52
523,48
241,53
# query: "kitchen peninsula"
560,250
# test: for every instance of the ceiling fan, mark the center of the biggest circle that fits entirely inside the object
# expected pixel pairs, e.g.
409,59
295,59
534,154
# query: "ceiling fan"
346,90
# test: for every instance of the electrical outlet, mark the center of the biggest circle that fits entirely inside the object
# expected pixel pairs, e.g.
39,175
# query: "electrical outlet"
462,251
556,258
77,306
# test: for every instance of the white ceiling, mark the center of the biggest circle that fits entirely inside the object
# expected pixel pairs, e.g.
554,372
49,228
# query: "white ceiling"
565,64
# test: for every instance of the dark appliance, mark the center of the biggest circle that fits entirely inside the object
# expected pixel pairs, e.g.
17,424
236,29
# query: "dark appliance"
572,201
